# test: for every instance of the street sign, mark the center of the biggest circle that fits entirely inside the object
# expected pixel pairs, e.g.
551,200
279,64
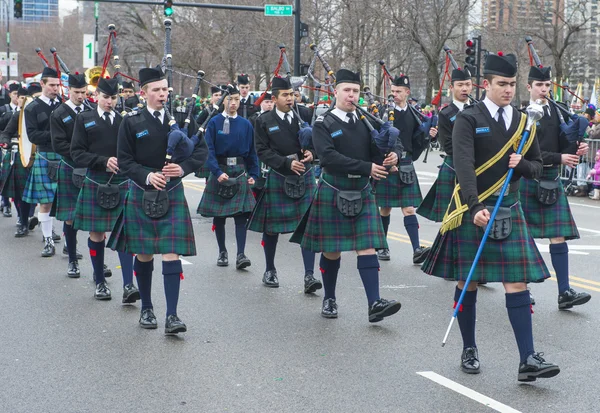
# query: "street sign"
3,63
278,10
96,10
13,61
88,50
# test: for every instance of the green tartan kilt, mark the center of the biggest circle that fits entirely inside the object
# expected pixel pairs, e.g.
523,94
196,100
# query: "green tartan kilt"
212,205
15,177
323,227
277,213
89,216
4,171
203,172
66,192
436,201
392,193
514,259
547,221
39,188
137,233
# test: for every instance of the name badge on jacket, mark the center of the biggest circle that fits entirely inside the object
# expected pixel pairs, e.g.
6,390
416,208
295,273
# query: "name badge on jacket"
90,124
336,133
67,119
141,134
480,131
274,129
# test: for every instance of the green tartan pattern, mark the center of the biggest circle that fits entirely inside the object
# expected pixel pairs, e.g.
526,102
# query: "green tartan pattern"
275,212
515,259
203,172
547,221
15,178
66,193
324,229
212,205
392,193
39,188
436,201
5,170
136,233
89,216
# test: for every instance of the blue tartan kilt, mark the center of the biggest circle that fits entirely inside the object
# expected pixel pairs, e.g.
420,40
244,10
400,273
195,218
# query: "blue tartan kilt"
514,259
136,233
438,198
325,229
277,213
39,188
89,216
66,192
15,177
213,205
547,221
393,193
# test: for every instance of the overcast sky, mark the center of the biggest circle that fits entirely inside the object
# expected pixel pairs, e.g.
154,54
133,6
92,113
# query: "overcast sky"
65,6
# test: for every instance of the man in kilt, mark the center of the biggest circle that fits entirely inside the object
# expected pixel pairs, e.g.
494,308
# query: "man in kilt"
266,105
8,110
290,182
436,201
544,201
155,218
246,107
233,168
401,188
40,188
484,140
343,215
204,118
62,123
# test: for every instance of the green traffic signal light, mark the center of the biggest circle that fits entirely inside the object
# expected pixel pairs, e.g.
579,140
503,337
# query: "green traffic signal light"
168,8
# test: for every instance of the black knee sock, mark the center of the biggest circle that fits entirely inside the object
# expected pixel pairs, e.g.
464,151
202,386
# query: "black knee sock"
172,272
97,257
308,258
126,260
143,275
518,306
386,223
70,241
467,316
25,207
559,254
219,229
240,232
270,247
411,223
368,268
329,272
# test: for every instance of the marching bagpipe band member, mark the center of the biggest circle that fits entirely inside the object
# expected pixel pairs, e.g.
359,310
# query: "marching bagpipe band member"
6,114
343,215
233,168
155,218
246,108
438,198
40,187
215,95
62,124
287,149
484,141
266,105
100,201
544,201
401,188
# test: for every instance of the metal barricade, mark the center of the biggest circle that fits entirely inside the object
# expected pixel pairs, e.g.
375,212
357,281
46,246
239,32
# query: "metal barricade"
585,165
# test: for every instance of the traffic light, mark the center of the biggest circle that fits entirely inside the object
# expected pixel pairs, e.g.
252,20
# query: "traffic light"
470,59
18,9
168,8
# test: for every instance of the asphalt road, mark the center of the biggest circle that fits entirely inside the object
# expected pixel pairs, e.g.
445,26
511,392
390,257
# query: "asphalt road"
253,349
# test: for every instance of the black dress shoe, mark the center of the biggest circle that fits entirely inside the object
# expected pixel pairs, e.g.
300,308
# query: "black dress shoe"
7,212
420,255
102,292
148,319
311,284
65,252
33,222
49,249
571,297
55,236
242,262
383,308
383,254
469,361
22,231
174,325
223,260
18,224
73,270
130,294
329,308
536,367
270,279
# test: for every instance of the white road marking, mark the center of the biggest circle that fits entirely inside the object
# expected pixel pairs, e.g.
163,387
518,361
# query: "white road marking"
584,205
465,391
593,231
401,287
572,249
430,174
184,262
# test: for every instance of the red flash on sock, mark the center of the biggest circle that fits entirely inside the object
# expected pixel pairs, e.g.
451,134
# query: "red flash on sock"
214,227
92,253
459,309
181,275
322,270
531,308
135,274
262,243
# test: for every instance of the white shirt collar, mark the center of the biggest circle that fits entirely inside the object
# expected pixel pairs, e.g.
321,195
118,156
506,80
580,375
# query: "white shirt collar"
227,116
398,108
282,114
73,106
101,113
460,105
343,116
151,112
14,108
493,109
46,99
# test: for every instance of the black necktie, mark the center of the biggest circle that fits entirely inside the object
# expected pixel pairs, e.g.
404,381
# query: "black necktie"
77,110
52,104
501,118
107,117
288,118
157,116
350,117
546,111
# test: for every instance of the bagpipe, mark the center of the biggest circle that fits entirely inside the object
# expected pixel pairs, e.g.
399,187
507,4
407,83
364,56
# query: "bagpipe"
65,69
449,61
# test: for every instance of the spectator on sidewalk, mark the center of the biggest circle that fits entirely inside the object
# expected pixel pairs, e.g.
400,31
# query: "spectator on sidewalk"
594,175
